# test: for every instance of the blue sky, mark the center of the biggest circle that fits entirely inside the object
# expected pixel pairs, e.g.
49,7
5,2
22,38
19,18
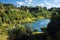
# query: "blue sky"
46,3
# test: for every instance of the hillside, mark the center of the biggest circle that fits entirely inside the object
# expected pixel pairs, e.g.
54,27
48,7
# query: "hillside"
13,18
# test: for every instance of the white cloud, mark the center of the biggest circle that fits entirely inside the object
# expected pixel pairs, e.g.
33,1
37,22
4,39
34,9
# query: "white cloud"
41,4
34,1
56,0
47,3
20,3
56,5
28,1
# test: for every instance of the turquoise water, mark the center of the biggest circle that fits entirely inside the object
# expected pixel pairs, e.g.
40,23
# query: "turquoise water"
39,24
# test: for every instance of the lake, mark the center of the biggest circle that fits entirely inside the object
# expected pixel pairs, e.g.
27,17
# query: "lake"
39,24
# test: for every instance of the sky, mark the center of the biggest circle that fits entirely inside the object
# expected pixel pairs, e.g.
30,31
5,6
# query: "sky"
43,3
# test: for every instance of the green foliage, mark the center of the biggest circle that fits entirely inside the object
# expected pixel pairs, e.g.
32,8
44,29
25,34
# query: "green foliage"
1,6
19,33
13,19
53,28
58,35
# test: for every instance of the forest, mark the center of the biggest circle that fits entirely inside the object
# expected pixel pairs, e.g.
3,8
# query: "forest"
13,20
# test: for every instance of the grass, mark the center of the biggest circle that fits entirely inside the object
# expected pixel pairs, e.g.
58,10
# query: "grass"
3,37
38,33
29,20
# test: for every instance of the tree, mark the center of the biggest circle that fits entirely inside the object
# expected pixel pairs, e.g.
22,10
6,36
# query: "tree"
9,6
1,6
54,27
19,33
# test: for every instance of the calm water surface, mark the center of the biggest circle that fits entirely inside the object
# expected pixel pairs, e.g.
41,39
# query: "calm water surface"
39,24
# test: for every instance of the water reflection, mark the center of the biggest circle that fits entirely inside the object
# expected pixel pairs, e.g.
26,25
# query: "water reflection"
39,24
